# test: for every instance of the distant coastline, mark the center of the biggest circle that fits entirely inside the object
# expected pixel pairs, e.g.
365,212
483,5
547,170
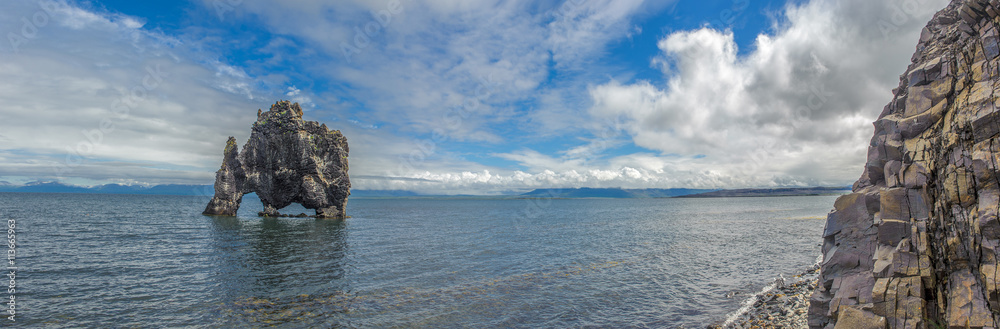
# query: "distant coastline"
610,193
553,193
616,193
56,187
771,192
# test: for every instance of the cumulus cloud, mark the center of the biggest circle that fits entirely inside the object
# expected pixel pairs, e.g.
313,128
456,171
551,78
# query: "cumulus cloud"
796,107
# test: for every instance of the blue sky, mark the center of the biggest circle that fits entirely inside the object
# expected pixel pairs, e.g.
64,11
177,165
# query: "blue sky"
448,96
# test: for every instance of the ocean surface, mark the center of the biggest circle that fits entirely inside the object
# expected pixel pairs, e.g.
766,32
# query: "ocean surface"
109,261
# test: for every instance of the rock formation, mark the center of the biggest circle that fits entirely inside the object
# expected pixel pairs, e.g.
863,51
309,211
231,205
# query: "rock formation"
285,160
916,243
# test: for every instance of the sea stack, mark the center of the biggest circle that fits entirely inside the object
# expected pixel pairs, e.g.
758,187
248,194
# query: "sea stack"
286,160
916,243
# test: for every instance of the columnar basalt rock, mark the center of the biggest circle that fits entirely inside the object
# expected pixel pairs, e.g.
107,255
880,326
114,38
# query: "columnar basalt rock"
916,243
286,160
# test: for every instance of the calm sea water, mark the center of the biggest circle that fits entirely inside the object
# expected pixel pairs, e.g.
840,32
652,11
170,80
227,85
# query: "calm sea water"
154,261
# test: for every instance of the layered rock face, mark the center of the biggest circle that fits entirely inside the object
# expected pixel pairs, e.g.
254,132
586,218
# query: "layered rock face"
286,160
916,243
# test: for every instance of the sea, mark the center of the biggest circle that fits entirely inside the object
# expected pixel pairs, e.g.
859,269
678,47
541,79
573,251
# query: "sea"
124,261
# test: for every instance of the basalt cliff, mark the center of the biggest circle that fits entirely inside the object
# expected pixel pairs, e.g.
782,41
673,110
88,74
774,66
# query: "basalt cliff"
286,160
916,244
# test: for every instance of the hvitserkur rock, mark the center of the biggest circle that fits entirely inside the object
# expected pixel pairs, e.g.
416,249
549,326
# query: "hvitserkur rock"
286,160
917,243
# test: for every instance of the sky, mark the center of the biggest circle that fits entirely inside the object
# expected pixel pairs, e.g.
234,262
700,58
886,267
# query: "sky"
455,96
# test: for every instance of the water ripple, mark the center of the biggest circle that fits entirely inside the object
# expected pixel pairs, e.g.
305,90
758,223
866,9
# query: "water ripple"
132,261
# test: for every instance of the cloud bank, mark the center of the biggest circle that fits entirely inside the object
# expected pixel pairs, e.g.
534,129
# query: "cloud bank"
454,97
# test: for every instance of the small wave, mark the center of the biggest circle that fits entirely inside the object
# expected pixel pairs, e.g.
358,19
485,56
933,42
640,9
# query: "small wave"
748,303
778,282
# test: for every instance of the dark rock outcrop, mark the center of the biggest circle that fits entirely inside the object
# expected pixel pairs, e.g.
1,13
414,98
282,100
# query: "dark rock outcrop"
286,160
916,243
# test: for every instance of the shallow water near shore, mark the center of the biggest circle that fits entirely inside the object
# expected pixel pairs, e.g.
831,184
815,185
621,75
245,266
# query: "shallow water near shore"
124,260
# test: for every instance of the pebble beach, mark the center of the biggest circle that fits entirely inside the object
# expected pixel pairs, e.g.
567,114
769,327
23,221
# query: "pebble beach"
782,304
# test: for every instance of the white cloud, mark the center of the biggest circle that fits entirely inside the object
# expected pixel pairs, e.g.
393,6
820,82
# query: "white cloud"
90,89
295,95
577,24
801,102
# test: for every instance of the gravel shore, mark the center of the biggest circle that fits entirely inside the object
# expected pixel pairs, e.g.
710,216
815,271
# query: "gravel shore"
782,304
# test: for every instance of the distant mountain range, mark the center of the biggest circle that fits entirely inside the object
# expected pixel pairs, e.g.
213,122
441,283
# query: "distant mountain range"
382,193
56,187
555,193
791,191
616,193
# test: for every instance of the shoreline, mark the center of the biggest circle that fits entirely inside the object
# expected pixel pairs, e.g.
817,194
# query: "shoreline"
783,303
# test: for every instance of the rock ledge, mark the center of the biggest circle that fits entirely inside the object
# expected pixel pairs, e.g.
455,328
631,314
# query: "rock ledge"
916,244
